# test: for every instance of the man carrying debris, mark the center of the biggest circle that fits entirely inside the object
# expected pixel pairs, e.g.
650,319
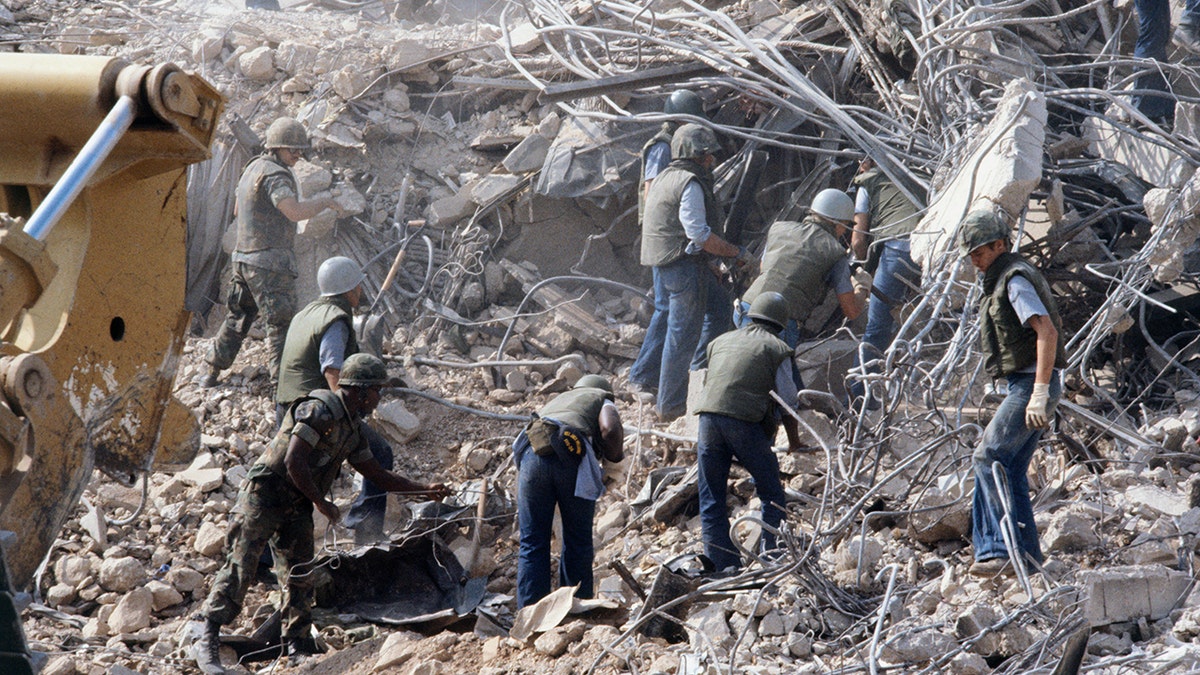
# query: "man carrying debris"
275,504
556,458
883,218
803,260
319,339
264,263
1021,336
681,216
738,419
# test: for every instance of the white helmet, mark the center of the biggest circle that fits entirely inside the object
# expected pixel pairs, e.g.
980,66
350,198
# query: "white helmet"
339,275
834,205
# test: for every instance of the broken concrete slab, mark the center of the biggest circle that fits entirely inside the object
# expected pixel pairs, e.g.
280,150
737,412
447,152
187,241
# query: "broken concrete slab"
1126,593
528,155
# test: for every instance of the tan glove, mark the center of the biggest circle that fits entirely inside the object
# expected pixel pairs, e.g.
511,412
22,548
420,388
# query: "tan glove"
1039,410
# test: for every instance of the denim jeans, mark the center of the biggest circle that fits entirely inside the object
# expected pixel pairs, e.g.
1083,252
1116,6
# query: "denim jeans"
1007,440
1154,34
893,276
543,483
686,293
718,316
721,439
367,512
646,368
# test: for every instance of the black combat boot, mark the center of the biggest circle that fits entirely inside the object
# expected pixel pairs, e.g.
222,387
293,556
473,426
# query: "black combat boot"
207,649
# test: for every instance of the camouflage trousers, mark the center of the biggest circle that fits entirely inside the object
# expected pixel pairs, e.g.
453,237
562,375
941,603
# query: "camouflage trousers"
269,511
254,290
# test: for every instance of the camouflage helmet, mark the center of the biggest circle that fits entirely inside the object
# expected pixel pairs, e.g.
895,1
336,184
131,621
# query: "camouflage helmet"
684,102
594,382
692,141
769,306
362,370
286,132
979,227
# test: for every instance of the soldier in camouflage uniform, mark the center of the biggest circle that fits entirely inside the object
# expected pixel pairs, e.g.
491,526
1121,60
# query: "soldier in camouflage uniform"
275,504
264,262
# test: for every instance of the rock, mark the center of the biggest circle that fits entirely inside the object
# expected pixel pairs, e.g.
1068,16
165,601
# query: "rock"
917,647
396,423
1158,500
552,643
1117,594
973,621
207,46
60,665
352,80
185,579
515,381
60,594
210,539
969,664
1070,531
206,480
311,178
712,628
446,212
132,612
474,458
72,570
396,650
492,186
236,475
505,396
930,525
528,155
472,298
848,555
257,64
163,595
743,603
771,624
294,58
121,574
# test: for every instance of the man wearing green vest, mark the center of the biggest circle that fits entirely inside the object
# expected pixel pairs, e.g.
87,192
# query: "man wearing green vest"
802,261
883,219
557,465
319,339
274,507
738,419
1021,336
681,219
264,263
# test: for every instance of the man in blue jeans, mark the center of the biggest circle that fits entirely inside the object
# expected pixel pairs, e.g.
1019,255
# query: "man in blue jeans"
738,419
1154,34
884,217
679,228
1021,336
557,465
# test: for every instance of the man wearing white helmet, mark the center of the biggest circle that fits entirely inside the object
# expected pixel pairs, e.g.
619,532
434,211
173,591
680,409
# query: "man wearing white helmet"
319,339
803,260
264,261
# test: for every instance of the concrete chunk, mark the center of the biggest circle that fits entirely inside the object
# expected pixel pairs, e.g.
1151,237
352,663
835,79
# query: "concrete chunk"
528,155
1125,593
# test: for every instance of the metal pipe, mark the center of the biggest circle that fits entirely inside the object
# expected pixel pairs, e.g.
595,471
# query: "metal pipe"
82,168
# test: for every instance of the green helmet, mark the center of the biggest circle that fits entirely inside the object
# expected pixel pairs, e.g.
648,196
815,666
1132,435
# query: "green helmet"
286,132
594,382
979,227
684,102
692,141
362,370
769,306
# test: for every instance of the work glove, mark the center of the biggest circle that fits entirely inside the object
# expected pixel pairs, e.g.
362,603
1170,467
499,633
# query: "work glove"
1039,410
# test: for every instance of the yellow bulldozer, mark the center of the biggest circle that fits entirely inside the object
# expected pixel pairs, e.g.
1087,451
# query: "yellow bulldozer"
93,268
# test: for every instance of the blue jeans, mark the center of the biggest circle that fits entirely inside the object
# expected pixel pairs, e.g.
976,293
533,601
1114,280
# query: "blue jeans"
718,316
893,276
1154,34
543,483
686,293
721,439
1007,440
646,368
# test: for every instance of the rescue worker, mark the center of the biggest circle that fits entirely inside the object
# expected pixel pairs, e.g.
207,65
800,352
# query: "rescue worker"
803,260
319,339
1021,336
274,506
738,419
682,216
268,207
883,219
557,465
656,156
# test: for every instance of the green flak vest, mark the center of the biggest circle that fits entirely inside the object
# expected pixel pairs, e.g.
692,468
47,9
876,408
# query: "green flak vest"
741,373
663,136
795,263
300,364
892,214
579,409
1008,345
260,225
332,450
663,238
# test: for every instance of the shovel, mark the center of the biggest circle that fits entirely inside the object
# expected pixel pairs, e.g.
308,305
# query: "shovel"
369,327
473,588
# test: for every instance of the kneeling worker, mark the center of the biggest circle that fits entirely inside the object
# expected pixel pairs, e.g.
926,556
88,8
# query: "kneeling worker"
556,457
738,419
274,506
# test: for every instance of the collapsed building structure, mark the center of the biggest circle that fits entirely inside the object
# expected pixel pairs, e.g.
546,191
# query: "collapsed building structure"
499,153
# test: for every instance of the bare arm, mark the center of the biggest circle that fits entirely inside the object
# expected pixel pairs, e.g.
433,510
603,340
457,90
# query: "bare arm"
391,481
332,377
861,236
719,247
1047,347
296,210
851,305
612,433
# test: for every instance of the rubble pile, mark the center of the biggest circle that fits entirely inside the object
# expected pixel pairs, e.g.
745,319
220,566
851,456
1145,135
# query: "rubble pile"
497,148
